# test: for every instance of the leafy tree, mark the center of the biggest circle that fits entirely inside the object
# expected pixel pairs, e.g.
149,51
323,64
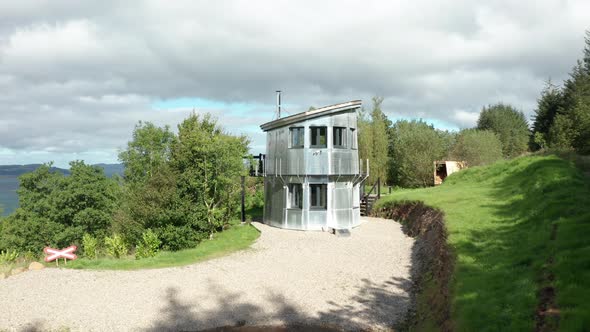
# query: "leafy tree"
509,124
146,152
373,140
477,147
379,142
154,203
571,128
414,146
208,163
58,210
150,198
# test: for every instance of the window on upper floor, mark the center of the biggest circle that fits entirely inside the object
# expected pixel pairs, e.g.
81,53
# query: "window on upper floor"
297,137
318,137
353,139
339,137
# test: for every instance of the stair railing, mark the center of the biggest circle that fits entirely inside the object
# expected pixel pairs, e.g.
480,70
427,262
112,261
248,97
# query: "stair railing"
365,197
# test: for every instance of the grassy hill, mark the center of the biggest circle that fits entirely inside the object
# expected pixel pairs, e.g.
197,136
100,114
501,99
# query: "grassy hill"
520,234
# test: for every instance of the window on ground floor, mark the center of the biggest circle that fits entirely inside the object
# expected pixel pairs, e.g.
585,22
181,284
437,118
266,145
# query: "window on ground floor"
295,196
318,195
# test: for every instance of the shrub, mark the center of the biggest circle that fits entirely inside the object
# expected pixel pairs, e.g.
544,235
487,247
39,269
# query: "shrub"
89,246
30,256
477,147
177,238
8,256
149,245
414,145
115,246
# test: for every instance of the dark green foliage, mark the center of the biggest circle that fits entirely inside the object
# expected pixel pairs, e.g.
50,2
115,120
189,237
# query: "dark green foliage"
191,188
477,147
58,210
509,124
548,106
208,164
581,117
414,146
570,128
151,203
254,197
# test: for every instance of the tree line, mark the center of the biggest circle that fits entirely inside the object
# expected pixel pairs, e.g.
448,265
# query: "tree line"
177,190
402,153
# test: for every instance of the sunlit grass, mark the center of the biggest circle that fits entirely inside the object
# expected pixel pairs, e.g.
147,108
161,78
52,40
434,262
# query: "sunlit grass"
499,220
236,238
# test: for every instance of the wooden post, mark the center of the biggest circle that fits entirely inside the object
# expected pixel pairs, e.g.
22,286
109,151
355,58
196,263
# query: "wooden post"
378,188
243,199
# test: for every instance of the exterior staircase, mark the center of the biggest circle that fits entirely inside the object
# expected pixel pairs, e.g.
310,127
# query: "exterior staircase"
369,199
367,203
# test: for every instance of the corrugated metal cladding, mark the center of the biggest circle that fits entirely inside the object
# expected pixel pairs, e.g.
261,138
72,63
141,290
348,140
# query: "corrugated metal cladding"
312,173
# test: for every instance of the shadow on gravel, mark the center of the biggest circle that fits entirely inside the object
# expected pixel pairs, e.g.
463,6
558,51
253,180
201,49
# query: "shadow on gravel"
378,305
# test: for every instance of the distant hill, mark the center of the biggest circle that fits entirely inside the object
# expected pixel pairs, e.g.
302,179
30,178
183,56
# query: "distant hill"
9,181
17,170
112,169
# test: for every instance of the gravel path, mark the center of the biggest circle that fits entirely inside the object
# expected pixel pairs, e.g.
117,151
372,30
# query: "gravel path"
285,277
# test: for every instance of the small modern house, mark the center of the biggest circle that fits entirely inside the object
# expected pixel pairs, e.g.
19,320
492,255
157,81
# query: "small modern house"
312,169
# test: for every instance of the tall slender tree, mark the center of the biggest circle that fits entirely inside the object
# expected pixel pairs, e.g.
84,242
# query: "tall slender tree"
379,128
571,127
548,106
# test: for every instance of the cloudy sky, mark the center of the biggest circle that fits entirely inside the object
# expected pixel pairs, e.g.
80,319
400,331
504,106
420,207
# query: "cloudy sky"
76,76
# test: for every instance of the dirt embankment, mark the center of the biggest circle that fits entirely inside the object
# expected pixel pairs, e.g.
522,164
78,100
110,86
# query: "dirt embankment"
432,263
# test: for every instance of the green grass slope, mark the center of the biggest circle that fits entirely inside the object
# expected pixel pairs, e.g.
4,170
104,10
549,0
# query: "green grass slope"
500,220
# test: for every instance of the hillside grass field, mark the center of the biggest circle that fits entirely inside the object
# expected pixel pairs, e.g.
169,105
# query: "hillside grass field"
517,229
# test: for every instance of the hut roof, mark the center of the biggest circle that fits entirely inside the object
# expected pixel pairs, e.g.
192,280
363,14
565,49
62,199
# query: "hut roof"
332,109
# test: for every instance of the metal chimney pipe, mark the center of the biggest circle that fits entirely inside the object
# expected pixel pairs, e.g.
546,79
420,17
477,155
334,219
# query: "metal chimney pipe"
278,104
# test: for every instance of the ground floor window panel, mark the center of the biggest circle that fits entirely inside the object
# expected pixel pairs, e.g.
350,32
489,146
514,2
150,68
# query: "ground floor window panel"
318,196
295,196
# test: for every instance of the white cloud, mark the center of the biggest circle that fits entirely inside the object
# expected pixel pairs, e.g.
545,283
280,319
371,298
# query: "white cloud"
465,119
76,76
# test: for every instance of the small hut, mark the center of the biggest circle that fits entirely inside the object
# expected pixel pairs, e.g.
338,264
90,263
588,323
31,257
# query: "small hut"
444,168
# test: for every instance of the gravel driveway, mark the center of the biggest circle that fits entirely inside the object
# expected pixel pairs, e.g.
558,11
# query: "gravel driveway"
285,277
